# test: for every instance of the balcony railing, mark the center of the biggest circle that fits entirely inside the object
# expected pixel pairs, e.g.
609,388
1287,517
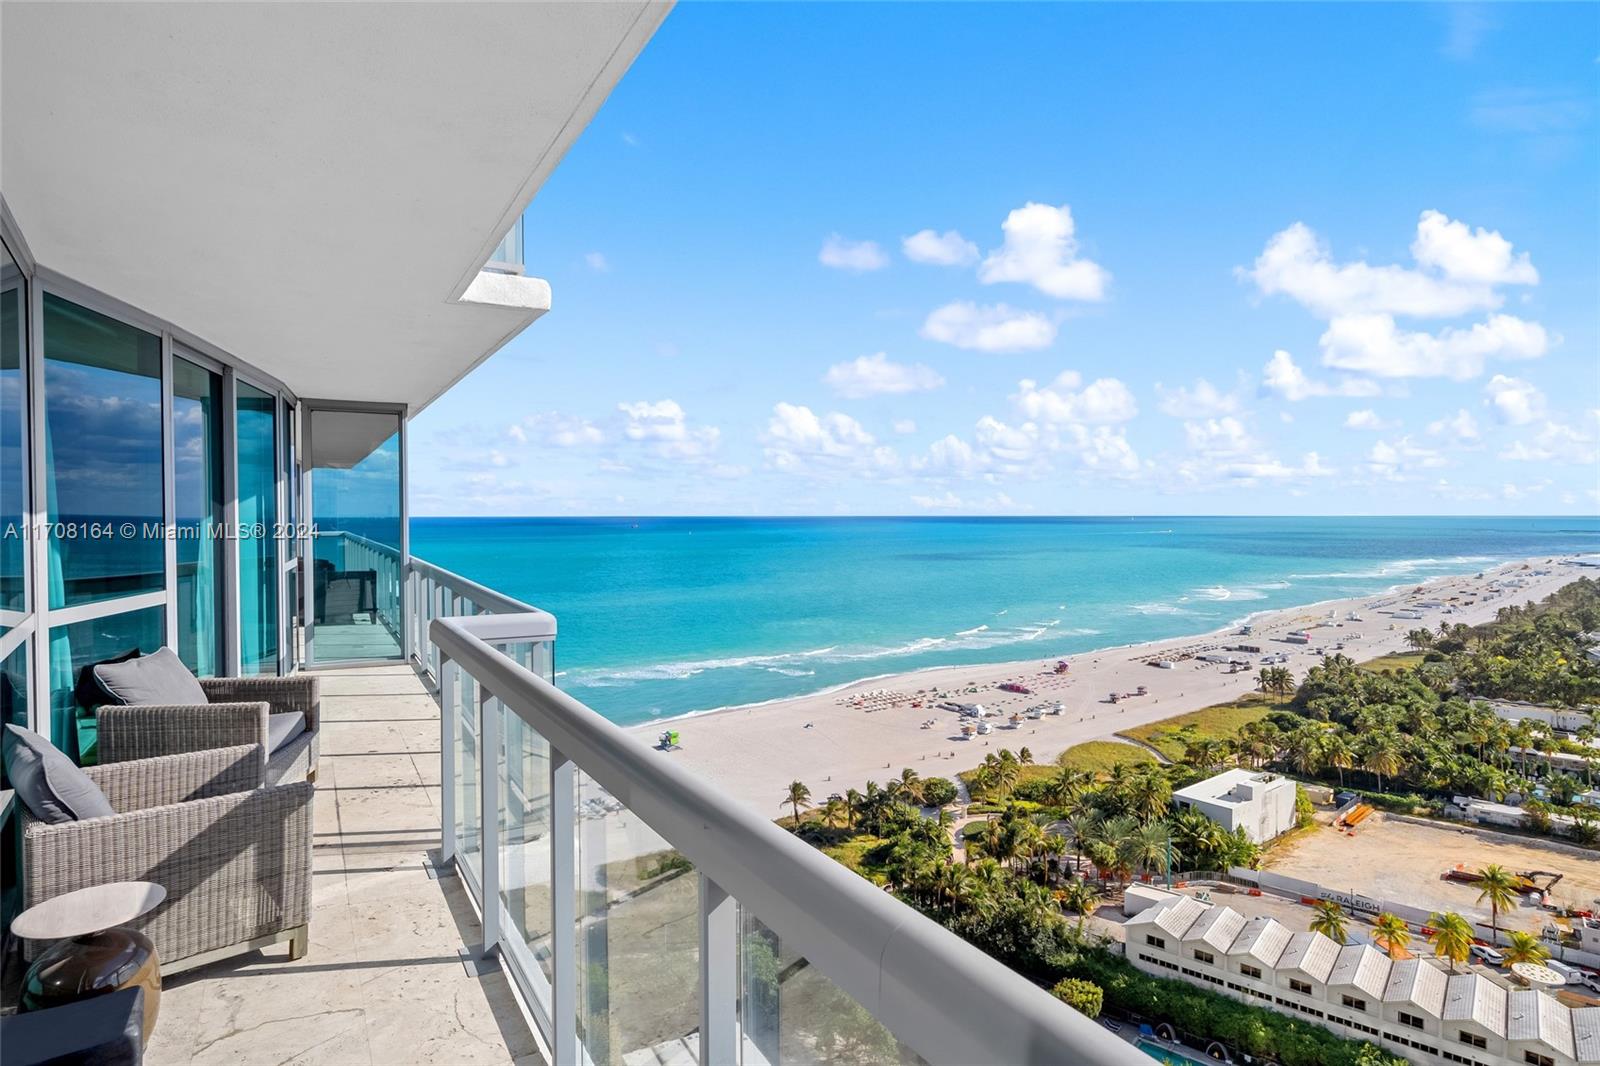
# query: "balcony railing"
644,916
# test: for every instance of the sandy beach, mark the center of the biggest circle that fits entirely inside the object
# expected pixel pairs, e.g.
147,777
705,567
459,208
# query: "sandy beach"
869,730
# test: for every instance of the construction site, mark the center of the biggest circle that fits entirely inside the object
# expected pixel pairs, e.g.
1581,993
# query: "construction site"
1431,866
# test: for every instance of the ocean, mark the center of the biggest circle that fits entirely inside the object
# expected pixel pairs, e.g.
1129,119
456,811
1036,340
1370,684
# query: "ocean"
665,616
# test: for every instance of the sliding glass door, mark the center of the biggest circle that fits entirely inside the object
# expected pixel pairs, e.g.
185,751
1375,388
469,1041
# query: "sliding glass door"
353,464
197,425
258,534
104,497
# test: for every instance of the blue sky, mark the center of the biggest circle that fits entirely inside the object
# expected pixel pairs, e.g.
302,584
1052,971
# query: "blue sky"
1060,259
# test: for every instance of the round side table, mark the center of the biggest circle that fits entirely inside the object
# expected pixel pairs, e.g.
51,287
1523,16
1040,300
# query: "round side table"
92,955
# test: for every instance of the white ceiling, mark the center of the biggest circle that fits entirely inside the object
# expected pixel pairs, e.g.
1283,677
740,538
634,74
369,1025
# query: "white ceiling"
311,188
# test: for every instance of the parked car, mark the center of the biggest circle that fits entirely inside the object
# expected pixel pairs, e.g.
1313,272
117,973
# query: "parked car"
1573,975
1484,953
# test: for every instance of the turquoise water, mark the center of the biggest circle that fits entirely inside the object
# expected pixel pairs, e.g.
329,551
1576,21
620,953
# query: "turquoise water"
1169,1056
664,616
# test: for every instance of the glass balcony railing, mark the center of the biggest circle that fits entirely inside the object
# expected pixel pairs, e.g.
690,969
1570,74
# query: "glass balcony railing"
645,917
507,255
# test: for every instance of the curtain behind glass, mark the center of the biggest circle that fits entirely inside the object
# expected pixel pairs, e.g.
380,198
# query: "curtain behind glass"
197,480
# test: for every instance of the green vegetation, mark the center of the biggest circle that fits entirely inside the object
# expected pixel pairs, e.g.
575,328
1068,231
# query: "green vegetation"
1398,661
1173,736
1085,997
1103,756
1060,836
1205,1015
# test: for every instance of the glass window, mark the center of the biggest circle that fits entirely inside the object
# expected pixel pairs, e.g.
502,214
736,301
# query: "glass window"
258,545
14,687
80,644
102,446
197,483
13,404
355,508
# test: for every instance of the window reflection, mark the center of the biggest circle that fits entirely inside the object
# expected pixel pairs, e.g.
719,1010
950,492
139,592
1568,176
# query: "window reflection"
102,448
197,485
258,546
81,644
13,402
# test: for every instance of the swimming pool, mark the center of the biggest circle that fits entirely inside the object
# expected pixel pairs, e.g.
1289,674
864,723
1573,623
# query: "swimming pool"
1162,1053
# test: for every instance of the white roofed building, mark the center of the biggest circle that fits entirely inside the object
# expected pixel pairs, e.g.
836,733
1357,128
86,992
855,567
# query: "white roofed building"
1262,804
1412,1007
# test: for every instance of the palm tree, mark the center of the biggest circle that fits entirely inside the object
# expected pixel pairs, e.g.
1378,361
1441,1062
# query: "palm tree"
1282,683
1524,947
1382,755
852,803
799,796
1337,754
1450,936
1149,847
834,811
1392,932
1329,919
1079,897
910,785
1499,886
1149,795
1420,639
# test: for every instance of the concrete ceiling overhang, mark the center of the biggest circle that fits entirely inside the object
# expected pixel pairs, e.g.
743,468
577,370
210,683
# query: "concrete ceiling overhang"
311,188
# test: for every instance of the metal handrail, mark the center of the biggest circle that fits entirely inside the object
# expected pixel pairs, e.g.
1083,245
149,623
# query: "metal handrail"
935,992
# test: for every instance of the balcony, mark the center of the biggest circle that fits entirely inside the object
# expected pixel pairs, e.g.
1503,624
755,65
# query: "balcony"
629,912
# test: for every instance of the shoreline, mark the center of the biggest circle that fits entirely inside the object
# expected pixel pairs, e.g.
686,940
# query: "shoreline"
1219,632
841,736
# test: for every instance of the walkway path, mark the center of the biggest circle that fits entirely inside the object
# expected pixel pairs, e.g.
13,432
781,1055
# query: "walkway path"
383,982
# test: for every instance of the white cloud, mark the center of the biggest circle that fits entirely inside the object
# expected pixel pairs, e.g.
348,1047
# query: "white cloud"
989,327
597,262
1218,436
1366,418
1202,400
875,375
664,427
1041,249
1460,427
859,256
800,441
949,501
1397,460
940,249
1267,468
1373,344
1283,377
950,456
1515,402
903,426
1104,400
552,429
1459,252
1102,448
1460,269
1555,442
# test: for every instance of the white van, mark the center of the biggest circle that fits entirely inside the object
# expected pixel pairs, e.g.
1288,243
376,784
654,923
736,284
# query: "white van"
1573,975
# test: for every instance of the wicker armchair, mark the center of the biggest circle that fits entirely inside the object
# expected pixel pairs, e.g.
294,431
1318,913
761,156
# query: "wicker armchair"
237,714
234,857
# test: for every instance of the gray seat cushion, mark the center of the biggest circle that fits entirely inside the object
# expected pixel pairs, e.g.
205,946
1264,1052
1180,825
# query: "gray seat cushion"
48,784
282,728
158,678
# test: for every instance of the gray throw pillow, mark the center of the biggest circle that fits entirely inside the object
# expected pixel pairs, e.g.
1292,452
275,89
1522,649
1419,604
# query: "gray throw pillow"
282,728
158,678
48,784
